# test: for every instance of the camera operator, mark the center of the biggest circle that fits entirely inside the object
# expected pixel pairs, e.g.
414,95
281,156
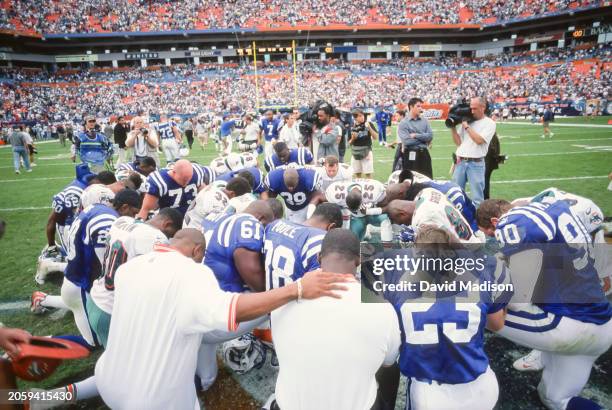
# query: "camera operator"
145,142
415,134
472,140
362,135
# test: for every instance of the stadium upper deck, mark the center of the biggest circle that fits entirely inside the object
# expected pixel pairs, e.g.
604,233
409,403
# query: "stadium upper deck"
89,16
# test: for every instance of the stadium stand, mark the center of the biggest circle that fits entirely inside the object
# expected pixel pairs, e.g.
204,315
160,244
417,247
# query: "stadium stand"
158,15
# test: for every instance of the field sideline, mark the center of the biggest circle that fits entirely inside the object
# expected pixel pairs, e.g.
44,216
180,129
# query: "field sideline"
577,159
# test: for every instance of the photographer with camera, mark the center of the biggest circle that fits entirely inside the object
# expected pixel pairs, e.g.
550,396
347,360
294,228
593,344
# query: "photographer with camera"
145,143
415,134
472,131
362,135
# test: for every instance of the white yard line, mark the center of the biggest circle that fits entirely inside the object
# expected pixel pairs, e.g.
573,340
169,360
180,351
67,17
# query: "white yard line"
33,179
27,208
547,141
541,154
557,124
22,304
524,181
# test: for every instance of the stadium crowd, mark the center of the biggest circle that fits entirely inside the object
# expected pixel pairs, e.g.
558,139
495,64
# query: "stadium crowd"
160,15
188,89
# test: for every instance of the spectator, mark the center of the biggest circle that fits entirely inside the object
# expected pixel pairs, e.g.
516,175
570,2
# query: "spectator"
31,149
187,127
18,141
472,140
416,135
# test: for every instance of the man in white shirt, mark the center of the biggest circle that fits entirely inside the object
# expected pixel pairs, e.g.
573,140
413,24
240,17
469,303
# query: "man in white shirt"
472,140
164,301
330,350
333,171
290,134
249,135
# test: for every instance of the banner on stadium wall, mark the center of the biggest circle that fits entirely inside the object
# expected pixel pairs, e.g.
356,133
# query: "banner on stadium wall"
430,47
435,111
203,53
538,39
76,58
307,50
140,56
379,49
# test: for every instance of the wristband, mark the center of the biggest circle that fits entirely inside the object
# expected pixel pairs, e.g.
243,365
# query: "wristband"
374,211
300,289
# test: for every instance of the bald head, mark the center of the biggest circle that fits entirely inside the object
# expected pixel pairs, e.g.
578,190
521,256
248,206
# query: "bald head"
400,212
261,210
291,179
397,191
190,242
182,172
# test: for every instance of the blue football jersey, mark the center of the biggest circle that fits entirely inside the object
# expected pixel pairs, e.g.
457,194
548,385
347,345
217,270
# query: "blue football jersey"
170,193
258,178
86,244
442,333
230,232
271,128
208,174
165,130
290,250
226,128
309,182
458,198
129,167
67,202
568,272
299,156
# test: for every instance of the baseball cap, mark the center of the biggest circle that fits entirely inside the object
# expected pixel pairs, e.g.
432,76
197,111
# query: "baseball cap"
127,197
89,118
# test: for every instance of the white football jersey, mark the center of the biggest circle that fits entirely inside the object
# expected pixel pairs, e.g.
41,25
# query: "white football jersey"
372,192
585,209
345,173
417,177
219,166
209,200
127,238
249,159
433,208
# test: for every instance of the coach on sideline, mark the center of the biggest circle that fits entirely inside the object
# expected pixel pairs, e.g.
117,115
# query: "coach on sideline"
415,134
472,140
164,302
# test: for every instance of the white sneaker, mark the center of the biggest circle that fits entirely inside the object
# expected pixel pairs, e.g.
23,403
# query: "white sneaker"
17,172
551,134
529,363
29,170
542,136
35,302
33,164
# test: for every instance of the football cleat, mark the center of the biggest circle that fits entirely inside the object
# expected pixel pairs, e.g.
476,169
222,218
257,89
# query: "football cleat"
531,362
35,302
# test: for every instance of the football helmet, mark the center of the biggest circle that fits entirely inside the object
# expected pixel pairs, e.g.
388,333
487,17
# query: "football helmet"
244,353
234,161
97,194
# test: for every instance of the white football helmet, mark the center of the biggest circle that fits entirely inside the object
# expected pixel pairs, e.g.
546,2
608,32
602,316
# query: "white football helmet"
97,194
244,353
240,203
234,161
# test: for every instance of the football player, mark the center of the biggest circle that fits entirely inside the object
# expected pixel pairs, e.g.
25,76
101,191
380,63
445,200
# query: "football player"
175,188
214,200
299,188
269,131
402,175
234,245
284,156
360,199
85,252
228,163
252,174
65,206
127,238
334,171
431,207
292,249
442,332
143,166
567,316
170,138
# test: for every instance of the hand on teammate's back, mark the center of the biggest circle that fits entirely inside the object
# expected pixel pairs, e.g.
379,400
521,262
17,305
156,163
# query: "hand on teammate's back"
316,284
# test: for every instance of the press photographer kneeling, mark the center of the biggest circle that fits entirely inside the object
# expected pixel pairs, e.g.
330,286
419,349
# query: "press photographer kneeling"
472,131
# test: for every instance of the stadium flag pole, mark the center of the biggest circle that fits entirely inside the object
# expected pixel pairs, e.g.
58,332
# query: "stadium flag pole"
256,82
294,75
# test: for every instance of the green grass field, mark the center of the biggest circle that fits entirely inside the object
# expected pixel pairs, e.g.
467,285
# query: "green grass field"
577,159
